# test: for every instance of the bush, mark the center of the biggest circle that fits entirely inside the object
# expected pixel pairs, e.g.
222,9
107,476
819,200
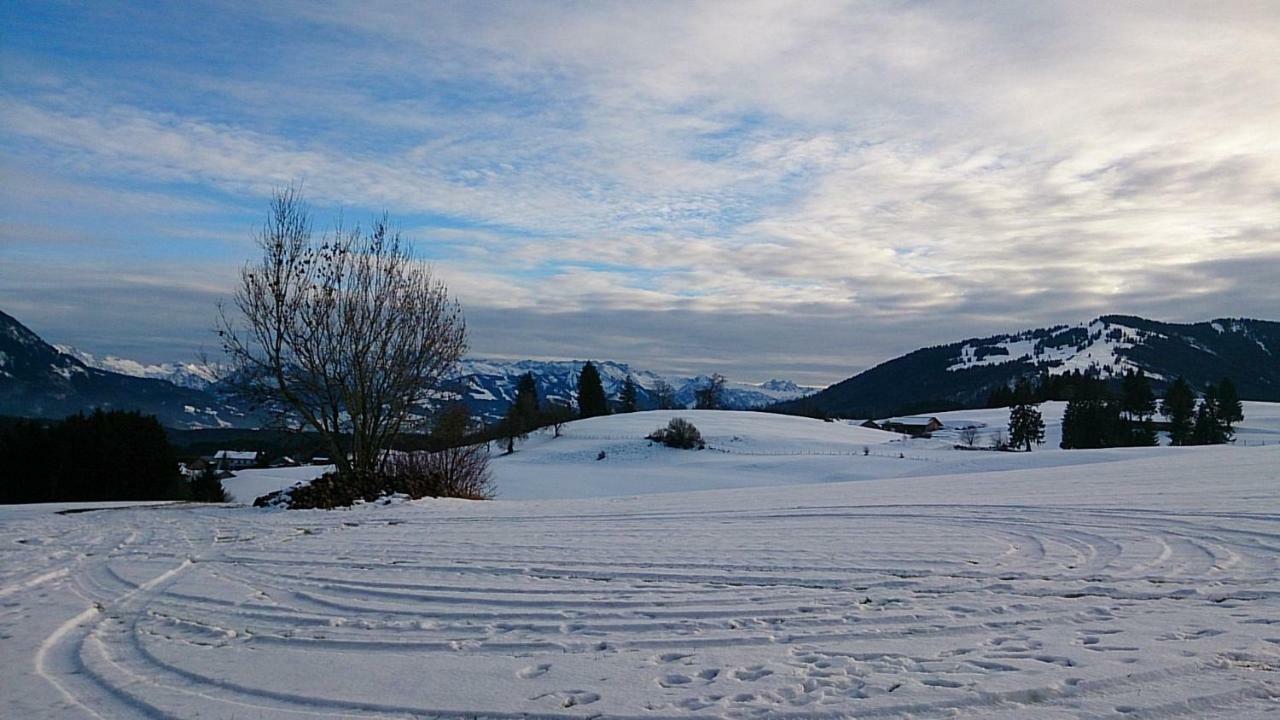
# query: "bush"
207,487
679,433
458,472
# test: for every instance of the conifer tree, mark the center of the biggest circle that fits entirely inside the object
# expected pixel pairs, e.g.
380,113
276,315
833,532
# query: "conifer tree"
526,403
591,397
1210,428
1026,426
1092,418
1179,407
1138,404
1230,410
628,399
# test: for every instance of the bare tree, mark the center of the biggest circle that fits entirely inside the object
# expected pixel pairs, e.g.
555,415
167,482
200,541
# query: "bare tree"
664,395
347,336
969,436
711,397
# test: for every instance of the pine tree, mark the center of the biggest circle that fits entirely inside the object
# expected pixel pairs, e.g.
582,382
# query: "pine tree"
513,427
526,403
628,399
1210,428
1092,418
1231,411
1138,404
591,397
1026,426
1179,407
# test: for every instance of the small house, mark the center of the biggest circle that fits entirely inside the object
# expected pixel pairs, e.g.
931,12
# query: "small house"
913,425
232,460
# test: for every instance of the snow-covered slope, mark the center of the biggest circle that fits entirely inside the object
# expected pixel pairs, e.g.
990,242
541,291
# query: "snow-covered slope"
964,373
36,380
196,376
1144,587
748,449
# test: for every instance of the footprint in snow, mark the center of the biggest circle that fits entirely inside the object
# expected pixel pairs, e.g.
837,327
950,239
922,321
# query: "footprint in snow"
533,671
748,674
674,680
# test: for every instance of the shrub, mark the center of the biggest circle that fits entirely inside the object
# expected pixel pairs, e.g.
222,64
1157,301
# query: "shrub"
679,433
207,487
458,472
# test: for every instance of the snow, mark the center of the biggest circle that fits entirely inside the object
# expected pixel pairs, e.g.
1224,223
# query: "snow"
1140,582
248,485
1100,352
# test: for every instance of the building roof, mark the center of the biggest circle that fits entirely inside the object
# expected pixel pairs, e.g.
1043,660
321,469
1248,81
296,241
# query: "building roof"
911,420
235,455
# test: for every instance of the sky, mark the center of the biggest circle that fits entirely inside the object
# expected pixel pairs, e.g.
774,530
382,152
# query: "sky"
797,190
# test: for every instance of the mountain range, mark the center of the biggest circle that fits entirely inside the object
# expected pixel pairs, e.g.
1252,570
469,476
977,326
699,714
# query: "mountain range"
42,380
963,374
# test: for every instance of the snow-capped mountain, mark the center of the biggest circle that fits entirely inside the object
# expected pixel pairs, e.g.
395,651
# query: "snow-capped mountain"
488,386
194,376
962,374
36,380
42,380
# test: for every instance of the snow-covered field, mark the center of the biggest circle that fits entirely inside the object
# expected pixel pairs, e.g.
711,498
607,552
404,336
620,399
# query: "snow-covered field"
1108,584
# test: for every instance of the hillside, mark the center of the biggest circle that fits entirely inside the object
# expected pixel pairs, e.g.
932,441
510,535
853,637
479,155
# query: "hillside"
963,374
36,380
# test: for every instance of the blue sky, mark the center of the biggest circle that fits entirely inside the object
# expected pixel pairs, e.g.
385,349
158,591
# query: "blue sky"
760,189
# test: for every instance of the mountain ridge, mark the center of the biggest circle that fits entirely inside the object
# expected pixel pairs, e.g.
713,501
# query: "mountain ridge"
963,373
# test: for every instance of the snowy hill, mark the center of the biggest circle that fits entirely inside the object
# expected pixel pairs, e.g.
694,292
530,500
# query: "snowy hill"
753,449
1136,583
964,373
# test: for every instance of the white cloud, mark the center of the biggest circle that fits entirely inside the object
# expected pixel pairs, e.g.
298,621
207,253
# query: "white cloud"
1000,164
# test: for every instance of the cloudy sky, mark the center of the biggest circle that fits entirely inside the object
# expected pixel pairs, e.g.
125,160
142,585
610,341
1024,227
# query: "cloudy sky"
763,189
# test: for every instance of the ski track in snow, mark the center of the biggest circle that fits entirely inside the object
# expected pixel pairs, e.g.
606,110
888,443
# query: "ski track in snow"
1147,588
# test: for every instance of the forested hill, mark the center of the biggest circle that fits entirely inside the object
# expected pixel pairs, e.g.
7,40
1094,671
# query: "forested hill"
964,373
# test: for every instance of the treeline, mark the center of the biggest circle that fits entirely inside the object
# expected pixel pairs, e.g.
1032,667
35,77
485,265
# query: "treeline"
528,412
1108,413
99,457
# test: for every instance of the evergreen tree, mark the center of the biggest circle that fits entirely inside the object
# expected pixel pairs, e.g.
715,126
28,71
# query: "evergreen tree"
1026,426
628,400
1136,398
206,487
1231,411
1210,428
1179,407
591,397
1092,418
513,427
711,396
526,403
1138,404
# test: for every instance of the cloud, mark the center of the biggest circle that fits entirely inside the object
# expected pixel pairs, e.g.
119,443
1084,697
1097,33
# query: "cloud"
867,172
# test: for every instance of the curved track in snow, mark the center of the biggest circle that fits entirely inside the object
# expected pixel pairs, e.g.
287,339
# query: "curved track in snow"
990,596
